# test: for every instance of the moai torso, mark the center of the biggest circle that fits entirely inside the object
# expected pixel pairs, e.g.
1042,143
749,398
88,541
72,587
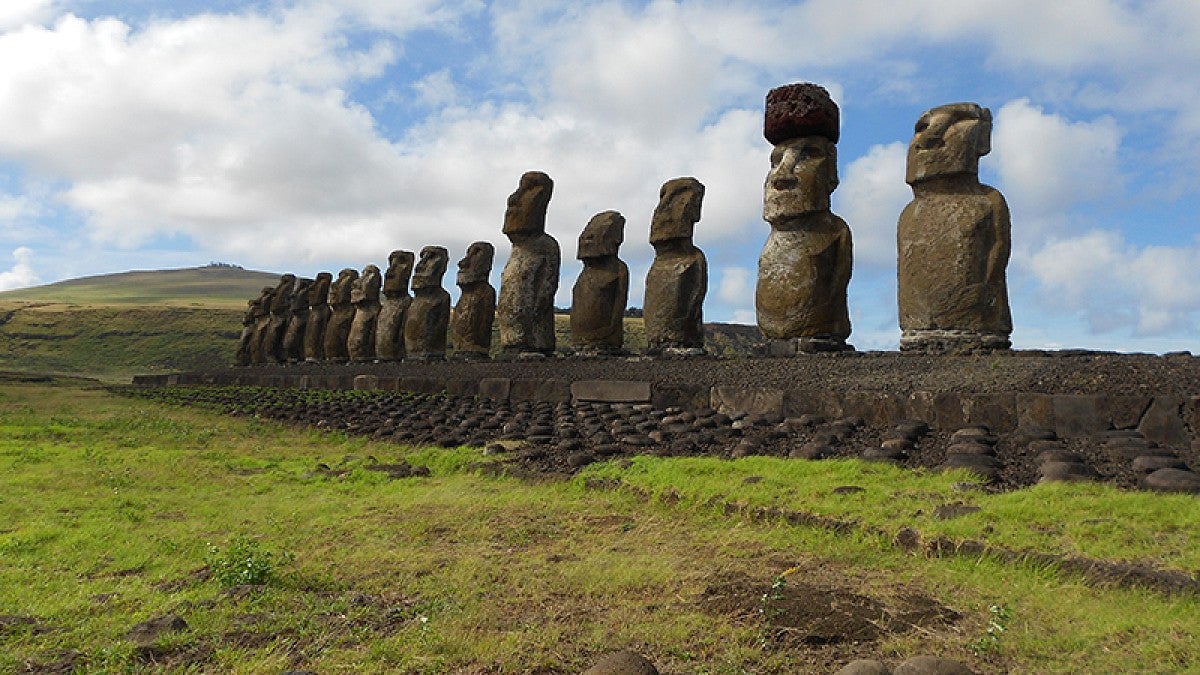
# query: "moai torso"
261,328
341,316
804,268
429,314
245,351
678,278
525,310
602,290
475,313
364,295
953,239
318,317
389,331
293,339
281,310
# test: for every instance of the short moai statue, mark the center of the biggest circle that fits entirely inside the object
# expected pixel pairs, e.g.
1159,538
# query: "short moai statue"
364,295
293,338
954,239
262,325
281,310
389,331
254,309
318,317
475,312
805,265
602,289
530,278
341,316
429,314
678,278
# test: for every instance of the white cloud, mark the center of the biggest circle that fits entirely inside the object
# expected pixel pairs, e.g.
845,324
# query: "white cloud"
1117,286
17,13
21,274
736,285
870,198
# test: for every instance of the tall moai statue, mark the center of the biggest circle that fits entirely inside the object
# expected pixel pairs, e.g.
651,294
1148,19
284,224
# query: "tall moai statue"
804,269
281,310
318,317
530,278
429,314
341,316
245,350
389,331
262,325
475,312
293,337
602,289
953,239
364,295
678,277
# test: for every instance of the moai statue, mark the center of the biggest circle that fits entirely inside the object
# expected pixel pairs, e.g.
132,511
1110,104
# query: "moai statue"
318,317
530,279
262,325
389,331
678,277
254,309
471,325
804,268
599,296
429,314
293,337
364,295
341,316
281,310
953,239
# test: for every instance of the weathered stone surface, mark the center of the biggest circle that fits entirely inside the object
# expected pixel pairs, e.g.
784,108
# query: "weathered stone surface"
954,238
1163,422
255,310
271,346
551,391
1069,471
293,337
622,663
429,314
611,391
798,110
931,665
475,312
600,293
805,265
366,383
1172,480
525,310
678,278
393,309
364,295
341,316
496,388
1078,415
754,401
318,317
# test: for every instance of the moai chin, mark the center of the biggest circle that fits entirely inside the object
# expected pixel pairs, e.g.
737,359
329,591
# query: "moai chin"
953,239
364,295
602,290
530,278
429,314
318,317
805,265
389,331
293,338
471,325
341,316
254,310
678,278
281,310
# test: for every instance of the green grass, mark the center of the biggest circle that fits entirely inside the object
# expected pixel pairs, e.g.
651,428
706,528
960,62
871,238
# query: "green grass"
210,286
108,508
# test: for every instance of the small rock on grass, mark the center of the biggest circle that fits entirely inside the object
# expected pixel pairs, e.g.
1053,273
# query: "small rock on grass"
624,662
146,632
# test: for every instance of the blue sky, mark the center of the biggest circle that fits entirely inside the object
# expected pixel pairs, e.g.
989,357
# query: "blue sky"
314,134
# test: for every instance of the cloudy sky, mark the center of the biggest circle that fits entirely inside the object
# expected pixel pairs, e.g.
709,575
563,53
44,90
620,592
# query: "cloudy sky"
309,135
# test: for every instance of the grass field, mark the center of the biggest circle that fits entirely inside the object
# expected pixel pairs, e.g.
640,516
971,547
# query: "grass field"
116,510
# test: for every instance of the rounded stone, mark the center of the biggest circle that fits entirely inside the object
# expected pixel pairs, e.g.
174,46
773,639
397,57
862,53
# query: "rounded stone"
865,667
1066,472
931,665
624,662
812,450
970,448
798,110
897,445
1172,480
1058,455
1152,463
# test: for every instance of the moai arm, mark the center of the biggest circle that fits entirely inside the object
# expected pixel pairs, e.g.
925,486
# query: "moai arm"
618,310
997,260
845,257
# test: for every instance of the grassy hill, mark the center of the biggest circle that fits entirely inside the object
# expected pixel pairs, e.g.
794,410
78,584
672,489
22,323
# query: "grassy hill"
212,286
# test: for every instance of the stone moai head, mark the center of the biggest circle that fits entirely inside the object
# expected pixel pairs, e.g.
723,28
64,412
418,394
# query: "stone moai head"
602,237
339,291
366,287
300,294
400,267
802,123
526,212
476,265
677,211
281,297
318,290
949,140
431,268
262,304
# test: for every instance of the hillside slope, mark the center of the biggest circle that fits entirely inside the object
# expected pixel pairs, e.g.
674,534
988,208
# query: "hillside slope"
210,286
